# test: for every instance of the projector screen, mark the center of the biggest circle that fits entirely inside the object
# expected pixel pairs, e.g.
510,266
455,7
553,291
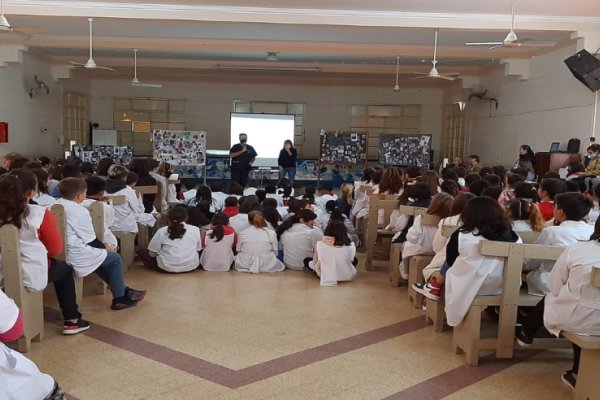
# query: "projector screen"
266,133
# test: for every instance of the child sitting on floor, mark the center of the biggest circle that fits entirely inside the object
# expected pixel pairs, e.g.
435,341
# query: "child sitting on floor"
549,188
524,216
218,243
298,238
257,247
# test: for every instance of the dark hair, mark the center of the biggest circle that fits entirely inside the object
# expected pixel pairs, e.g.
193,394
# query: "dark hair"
450,174
461,171
45,161
330,205
177,216
270,188
103,166
13,189
500,171
204,207
483,216
55,172
513,179
204,193
337,230
596,234
432,179
492,191
470,178
248,203
552,187
477,187
575,205
337,215
575,186
117,172
261,195
132,177
521,209
310,190
95,185
376,176
551,175
231,201
234,188
459,202
420,191
296,205
257,219
216,186
69,188
164,169
526,190
366,176
87,168
485,171
575,167
440,205
413,171
450,187
328,186
252,183
272,216
474,157
140,166
269,202
493,180
529,154
42,180
196,217
303,214
71,171
521,172
18,163
218,231
33,165
3,170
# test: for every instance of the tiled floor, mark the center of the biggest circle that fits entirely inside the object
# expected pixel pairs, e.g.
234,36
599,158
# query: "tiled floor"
209,335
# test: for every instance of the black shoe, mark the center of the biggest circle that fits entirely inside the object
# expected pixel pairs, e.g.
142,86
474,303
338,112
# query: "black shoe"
522,338
569,380
135,295
73,328
121,303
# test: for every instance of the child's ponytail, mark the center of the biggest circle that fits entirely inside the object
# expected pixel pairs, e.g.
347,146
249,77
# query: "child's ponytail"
177,216
256,219
219,222
13,189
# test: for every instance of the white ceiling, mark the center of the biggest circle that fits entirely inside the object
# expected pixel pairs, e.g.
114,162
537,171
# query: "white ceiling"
346,37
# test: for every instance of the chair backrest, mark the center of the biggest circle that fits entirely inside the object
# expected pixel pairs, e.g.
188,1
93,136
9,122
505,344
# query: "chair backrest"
596,277
96,210
529,237
430,220
381,202
366,189
448,230
117,200
11,263
411,210
61,219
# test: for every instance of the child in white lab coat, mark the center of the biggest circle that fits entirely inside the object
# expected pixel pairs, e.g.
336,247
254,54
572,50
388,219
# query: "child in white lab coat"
572,303
126,214
96,187
298,236
569,211
524,216
174,248
334,256
257,247
218,243
144,218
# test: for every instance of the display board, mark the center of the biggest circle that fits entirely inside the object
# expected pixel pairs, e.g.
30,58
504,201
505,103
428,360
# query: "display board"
397,149
180,147
343,148
94,153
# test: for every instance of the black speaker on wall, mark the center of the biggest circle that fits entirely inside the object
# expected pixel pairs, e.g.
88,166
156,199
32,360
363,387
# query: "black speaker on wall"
586,68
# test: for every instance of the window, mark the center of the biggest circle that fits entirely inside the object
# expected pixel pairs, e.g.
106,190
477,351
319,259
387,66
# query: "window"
75,119
454,135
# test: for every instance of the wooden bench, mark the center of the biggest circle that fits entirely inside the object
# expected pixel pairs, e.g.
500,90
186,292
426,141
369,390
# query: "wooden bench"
375,230
92,284
416,264
467,335
396,249
31,303
126,239
587,386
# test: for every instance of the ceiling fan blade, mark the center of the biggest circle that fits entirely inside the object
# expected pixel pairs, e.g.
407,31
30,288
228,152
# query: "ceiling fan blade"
77,64
496,47
151,85
104,68
538,44
451,73
420,73
484,43
445,77
423,76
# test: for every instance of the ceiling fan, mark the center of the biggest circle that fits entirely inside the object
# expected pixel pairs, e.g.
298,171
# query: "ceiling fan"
91,64
434,73
397,86
511,39
6,27
135,81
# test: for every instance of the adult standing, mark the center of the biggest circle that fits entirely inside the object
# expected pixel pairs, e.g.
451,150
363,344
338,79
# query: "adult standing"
242,156
287,161
526,161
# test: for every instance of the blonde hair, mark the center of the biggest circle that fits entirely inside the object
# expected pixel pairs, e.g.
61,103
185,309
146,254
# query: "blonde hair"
346,191
521,209
256,219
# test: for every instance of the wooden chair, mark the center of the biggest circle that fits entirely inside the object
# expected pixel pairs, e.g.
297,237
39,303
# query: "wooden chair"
416,264
587,386
361,230
92,284
528,237
386,203
467,336
396,249
126,239
30,303
435,310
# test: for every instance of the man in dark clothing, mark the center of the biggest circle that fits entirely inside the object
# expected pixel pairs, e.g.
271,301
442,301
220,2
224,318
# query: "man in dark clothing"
242,156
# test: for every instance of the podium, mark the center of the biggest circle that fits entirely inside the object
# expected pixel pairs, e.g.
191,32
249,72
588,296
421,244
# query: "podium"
545,161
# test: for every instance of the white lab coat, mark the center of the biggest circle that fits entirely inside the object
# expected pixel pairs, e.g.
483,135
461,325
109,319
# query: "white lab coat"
84,258
20,379
335,262
565,234
219,200
419,239
189,196
299,243
439,246
250,191
109,217
573,304
321,201
521,225
257,251
471,275
277,197
359,197
239,222
323,220
164,206
44,200
217,256
179,255
128,213
143,217
363,203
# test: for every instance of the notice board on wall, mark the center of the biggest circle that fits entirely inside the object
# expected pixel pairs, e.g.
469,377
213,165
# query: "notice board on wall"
180,147
92,153
398,149
343,148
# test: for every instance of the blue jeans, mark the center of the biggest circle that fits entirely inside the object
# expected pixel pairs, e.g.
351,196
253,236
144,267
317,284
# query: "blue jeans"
111,272
291,173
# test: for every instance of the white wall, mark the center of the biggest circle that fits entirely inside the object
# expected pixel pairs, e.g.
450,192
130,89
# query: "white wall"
209,104
550,106
27,117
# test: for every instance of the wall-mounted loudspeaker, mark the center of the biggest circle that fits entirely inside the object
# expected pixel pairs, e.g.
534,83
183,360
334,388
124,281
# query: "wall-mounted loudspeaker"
586,68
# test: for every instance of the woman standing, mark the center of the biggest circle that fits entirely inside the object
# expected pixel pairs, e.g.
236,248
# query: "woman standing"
287,161
526,161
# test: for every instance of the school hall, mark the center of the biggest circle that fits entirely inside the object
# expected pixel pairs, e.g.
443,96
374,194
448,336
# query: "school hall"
299,199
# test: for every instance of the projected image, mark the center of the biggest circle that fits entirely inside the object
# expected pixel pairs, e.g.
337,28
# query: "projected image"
266,133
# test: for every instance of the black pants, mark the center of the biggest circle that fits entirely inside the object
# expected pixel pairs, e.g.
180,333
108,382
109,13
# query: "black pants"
61,274
535,322
240,175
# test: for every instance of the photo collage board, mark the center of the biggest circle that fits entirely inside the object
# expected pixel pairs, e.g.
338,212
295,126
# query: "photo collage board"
398,149
343,148
180,147
90,153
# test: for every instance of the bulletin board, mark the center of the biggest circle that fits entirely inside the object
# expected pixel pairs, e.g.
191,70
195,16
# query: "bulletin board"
342,148
397,149
94,153
180,147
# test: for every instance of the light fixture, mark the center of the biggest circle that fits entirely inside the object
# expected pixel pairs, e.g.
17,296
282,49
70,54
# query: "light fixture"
272,56
461,105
